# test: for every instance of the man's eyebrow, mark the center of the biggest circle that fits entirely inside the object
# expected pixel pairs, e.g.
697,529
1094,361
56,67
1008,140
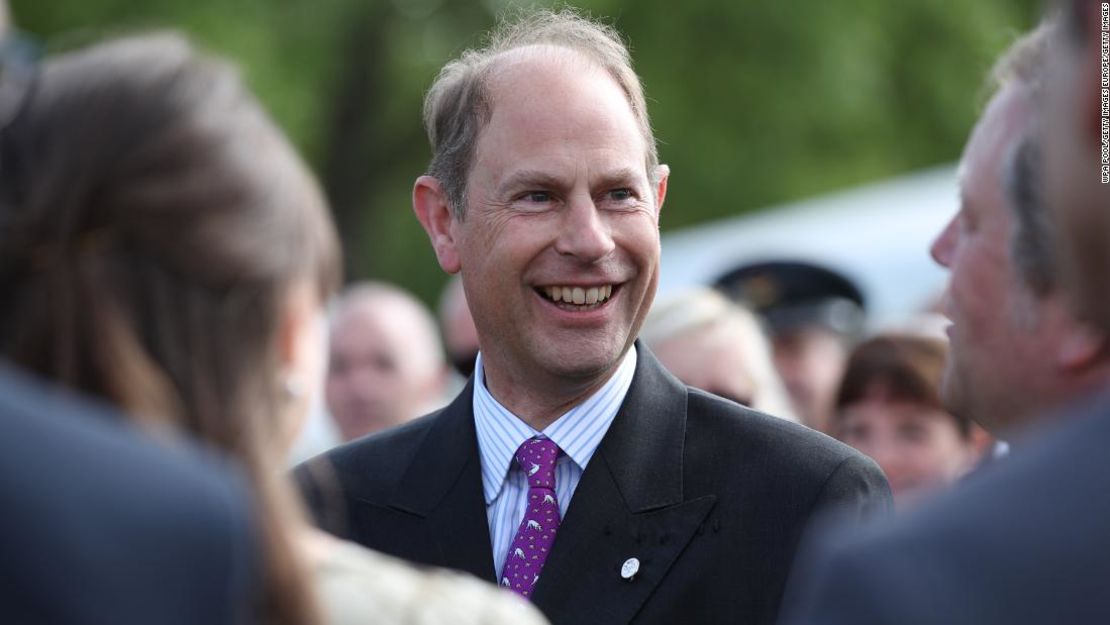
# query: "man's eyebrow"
527,179
625,176
536,179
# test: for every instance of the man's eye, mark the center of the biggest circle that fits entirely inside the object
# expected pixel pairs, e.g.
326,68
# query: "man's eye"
621,195
538,196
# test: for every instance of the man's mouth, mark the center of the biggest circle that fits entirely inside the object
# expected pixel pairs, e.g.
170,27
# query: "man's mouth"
577,298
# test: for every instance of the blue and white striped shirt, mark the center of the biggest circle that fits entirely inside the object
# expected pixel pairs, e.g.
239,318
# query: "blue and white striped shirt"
577,432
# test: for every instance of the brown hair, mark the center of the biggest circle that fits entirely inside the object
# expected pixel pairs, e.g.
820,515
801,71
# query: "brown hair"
897,367
152,222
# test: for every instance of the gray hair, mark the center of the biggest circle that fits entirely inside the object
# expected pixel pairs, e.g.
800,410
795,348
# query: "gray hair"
1025,63
1031,244
459,103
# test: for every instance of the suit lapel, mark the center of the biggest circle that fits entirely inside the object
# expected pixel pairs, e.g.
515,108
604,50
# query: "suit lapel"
629,504
443,486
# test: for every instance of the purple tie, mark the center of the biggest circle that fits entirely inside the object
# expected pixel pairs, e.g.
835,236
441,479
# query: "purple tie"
533,540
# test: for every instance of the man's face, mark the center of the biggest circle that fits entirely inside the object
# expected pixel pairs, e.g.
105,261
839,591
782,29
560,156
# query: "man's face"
559,208
375,380
918,447
810,360
994,350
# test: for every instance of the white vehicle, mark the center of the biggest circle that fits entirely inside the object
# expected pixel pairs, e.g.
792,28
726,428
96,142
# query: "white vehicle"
878,235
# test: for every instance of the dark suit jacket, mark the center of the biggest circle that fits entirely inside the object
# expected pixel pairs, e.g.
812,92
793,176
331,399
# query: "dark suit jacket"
709,496
101,525
1025,542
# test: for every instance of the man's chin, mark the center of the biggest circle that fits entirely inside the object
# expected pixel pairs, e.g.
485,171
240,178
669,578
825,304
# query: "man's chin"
575,363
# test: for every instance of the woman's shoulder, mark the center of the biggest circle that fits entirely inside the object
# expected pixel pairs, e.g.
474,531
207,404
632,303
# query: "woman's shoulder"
357,585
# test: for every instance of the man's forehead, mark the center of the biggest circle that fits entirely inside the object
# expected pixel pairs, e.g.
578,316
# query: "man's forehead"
525,60
1004,121
534,77
543,106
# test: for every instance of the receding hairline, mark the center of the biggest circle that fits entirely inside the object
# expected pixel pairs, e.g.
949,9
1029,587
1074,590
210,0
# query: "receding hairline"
502,60
501,65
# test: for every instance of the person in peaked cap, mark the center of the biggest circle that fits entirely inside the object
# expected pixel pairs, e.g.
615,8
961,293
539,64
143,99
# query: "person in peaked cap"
814,315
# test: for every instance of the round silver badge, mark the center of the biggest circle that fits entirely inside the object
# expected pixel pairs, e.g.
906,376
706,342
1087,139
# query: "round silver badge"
630,567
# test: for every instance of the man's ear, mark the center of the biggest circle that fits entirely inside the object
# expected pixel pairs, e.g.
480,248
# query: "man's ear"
663,173
430,204
1081,347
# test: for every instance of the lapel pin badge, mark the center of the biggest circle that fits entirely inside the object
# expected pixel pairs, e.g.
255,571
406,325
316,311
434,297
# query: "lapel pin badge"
630,567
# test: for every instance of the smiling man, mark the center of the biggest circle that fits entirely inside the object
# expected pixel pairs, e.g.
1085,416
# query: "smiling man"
573,469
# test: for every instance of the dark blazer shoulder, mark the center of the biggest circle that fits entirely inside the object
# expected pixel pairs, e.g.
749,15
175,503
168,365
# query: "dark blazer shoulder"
776,443
369,467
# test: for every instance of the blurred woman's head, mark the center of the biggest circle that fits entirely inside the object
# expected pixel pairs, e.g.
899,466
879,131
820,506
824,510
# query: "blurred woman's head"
889,408
711,343
164,248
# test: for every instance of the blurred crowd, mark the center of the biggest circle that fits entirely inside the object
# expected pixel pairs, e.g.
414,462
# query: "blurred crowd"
754,450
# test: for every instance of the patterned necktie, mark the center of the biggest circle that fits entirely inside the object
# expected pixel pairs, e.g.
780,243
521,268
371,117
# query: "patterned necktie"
533,540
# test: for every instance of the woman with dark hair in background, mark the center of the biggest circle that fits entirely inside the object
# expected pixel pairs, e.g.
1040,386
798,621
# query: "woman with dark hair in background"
163,248
889,408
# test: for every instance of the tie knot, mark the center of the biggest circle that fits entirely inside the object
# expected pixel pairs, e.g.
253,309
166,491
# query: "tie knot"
537,457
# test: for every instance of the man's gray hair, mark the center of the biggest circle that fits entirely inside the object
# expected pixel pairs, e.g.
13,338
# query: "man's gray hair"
1025,63
459,104
1031,245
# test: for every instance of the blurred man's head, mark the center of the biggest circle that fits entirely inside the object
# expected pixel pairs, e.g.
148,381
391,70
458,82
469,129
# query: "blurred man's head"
814,316
1076,125
460,337
1016,349
386,363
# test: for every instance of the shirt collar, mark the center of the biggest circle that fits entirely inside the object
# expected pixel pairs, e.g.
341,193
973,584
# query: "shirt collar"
577,432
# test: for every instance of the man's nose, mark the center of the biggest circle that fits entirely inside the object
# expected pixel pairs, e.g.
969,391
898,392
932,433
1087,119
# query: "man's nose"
941,249
585,233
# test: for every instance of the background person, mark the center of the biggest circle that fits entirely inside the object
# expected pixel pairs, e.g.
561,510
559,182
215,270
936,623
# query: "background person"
177,254
85,493
814,316
1024,542
386,365
710,343
889,408
1018,351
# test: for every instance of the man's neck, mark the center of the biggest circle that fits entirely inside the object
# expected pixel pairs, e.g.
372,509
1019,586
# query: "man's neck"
539,403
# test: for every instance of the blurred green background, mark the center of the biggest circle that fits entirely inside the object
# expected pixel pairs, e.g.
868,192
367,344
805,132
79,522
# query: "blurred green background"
753,102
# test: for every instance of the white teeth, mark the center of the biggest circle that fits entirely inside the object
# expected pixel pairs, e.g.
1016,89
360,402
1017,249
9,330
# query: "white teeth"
579,295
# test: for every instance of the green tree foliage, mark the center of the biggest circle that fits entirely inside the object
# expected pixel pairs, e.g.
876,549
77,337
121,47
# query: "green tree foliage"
754,102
